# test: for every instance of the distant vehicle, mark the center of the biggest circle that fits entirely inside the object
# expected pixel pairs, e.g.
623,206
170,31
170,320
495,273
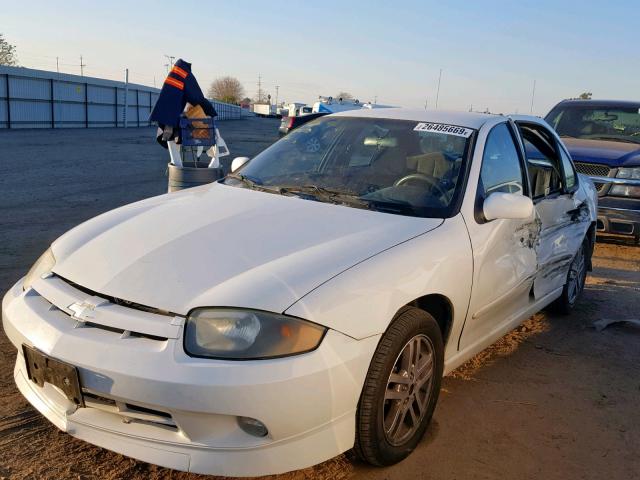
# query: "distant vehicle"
603,137
296,108
332,105
309,302
264,110
290,123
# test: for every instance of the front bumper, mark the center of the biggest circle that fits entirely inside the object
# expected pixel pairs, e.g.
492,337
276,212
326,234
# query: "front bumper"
618,215
147,399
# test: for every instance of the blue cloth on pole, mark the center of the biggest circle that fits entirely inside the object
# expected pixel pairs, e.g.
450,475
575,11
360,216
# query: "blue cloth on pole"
179,87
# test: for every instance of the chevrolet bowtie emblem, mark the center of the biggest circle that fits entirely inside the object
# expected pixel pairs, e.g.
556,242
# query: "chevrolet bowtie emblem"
82,310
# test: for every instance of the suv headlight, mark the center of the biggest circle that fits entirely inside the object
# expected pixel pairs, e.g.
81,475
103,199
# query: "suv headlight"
43,265
238,334
627,190
633,173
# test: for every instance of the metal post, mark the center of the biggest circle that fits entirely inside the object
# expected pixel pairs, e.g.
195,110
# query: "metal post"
438,93
533,94
53,110
115,107
138,106
126,95
86,105
6,77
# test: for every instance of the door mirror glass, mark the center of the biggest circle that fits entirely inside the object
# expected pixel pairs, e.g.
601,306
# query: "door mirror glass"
508,206
238,162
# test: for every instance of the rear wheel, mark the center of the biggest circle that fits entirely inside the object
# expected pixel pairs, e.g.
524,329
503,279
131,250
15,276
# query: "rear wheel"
576,279
401,389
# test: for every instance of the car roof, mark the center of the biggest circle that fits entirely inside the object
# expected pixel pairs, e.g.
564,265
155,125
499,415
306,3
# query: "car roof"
600,103
463,119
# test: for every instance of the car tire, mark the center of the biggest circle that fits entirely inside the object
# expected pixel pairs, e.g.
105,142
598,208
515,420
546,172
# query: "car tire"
401,388
576,278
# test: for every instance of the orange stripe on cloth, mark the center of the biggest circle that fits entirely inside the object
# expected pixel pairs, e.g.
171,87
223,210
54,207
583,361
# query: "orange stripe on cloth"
175,83
180,72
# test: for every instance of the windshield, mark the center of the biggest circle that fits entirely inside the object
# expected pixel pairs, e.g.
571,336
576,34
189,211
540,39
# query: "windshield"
394,166
597,123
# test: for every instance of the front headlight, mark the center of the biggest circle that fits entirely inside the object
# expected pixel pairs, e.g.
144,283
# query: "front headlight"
633,173
237,334
625,191
43,265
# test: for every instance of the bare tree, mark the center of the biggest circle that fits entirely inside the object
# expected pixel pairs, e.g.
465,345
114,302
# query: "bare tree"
226,89
343,96
585,96
7,53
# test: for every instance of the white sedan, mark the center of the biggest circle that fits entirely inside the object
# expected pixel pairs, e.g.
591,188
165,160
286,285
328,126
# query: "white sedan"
312,300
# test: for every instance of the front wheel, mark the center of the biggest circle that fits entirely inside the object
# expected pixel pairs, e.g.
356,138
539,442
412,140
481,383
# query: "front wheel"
401,389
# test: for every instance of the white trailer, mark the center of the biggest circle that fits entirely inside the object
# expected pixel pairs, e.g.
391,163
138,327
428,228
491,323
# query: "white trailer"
264,109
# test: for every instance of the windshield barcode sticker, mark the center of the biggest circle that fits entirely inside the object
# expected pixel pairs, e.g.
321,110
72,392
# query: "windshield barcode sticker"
443,128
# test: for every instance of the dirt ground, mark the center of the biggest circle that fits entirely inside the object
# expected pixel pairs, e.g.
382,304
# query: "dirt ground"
553,399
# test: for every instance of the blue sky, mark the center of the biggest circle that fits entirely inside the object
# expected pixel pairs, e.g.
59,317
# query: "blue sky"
490,51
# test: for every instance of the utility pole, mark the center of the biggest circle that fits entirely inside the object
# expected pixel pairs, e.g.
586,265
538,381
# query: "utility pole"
259,99
375,99
170,58
82,65
533,94
277,88
58,65
438,92
426,103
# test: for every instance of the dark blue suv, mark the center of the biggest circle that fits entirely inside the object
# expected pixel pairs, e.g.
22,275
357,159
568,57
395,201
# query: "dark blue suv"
603,137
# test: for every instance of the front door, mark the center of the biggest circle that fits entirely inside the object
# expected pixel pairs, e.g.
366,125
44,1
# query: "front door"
504,250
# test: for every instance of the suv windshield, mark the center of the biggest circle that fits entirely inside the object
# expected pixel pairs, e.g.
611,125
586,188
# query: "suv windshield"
394,166
597,123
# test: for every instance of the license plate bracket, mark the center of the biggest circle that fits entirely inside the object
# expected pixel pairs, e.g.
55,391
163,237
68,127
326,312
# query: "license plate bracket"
42,368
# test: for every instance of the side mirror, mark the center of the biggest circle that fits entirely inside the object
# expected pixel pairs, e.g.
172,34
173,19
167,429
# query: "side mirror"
507,205
238,162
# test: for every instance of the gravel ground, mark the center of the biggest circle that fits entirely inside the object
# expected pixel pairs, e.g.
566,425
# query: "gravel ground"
553,399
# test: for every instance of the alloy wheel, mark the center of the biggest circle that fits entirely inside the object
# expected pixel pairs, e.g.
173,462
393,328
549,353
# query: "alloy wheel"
408,390
577,275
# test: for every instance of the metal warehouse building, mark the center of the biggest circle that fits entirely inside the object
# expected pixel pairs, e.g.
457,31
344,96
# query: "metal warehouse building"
41,99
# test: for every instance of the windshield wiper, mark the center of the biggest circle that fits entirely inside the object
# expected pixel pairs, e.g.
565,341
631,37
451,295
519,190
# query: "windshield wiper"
328,194
249,182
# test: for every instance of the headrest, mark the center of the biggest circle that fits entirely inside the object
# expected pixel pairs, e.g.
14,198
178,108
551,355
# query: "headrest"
433,164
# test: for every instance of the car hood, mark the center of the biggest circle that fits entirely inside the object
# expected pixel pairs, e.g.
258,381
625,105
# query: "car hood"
220,245
613,154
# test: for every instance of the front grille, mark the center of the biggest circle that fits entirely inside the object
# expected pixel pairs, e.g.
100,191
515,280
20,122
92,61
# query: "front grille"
118,301
130,412
594,170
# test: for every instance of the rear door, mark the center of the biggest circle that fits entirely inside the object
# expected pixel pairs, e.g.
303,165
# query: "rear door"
553,183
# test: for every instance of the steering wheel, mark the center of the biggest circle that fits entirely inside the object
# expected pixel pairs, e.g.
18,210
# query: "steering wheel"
421,177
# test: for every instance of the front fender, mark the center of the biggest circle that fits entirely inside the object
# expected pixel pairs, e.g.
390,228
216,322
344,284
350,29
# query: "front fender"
362,301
